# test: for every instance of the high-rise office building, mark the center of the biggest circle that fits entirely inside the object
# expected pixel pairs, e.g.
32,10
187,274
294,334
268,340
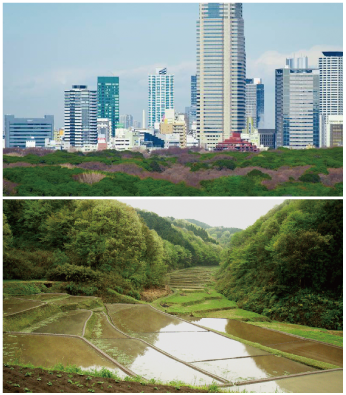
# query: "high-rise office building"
126,120
221,66
80,116
254,101
331,92
20,130
108,100
161,95
297,105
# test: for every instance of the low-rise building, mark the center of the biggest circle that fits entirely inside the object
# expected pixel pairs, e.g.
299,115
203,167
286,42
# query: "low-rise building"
19,130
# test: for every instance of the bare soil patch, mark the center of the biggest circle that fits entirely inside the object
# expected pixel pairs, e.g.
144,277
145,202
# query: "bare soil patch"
151,294
15,380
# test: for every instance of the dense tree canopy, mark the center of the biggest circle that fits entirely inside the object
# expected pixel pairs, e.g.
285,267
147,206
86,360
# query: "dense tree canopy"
293,251
198,248
106,236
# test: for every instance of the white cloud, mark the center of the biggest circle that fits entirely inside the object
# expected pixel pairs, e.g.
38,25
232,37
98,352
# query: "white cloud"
265,65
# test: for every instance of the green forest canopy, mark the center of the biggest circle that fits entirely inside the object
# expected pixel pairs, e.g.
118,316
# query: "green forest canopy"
47,238
288,264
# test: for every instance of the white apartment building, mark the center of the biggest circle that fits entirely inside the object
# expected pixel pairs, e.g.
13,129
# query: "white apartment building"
80,116
221,67
161,95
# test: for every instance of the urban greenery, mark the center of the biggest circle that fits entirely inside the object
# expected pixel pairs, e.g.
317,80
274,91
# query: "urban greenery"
173,173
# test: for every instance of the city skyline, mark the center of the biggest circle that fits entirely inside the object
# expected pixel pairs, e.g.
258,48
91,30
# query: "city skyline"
38,88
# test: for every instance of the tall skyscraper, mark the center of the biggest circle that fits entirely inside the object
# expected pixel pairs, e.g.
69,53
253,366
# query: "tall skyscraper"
126,120
221,66
80,116
108,100
331,92
297,105
161,95
20,130
254,101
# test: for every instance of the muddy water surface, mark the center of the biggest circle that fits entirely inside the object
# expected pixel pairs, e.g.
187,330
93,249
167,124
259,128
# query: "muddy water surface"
149,363
71,323
71,299
103,329
199,346
14,305
253,368
329,382
48,351
279,341
147,320
45,296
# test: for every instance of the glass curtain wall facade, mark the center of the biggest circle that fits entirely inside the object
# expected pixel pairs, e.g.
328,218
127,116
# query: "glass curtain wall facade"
221,67
297,107
108,100
254,101
80,116
331,90
161,95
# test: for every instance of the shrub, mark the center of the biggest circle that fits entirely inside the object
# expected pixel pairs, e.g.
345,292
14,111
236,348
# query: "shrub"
78,289
310,177
76,273
26,265
224,164
258,173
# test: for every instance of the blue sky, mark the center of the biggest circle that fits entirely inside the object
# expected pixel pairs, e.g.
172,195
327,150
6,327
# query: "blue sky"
49,47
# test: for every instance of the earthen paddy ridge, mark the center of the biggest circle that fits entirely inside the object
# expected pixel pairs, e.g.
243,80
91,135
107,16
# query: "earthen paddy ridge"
143,341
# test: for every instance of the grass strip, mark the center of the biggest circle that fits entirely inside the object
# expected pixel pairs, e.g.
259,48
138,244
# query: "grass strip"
17,322
318,334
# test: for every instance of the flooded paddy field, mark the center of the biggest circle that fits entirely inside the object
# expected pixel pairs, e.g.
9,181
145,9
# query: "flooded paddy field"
253,368
195,355
16,305
48,350
149,363
280,341
100,328
144,319
328,382
200,346
71,299
45,296
71,323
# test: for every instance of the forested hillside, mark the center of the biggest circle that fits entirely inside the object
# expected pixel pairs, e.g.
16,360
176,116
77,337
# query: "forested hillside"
221,234
288,265
95,245
196,247
199,223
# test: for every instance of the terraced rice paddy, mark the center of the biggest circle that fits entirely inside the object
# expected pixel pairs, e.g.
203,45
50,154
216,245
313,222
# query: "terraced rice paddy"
49,350
329,381
197,277
140,340
16,305
277,340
